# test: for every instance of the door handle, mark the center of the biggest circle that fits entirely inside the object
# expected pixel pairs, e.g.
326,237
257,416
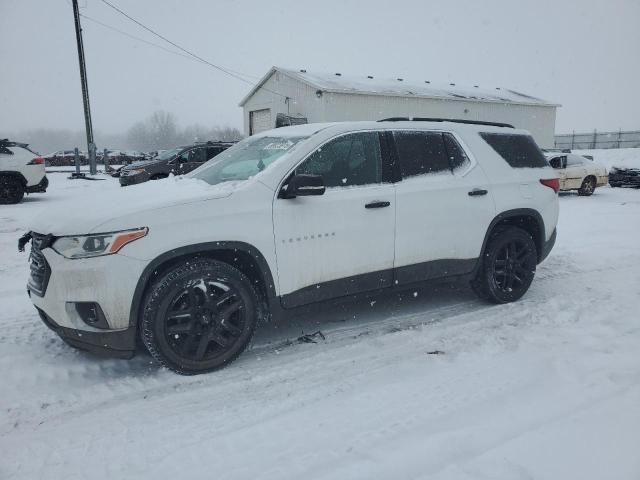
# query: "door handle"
476,192
377,204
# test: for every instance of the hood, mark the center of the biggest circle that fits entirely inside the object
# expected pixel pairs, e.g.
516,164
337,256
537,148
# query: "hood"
141,164
113,203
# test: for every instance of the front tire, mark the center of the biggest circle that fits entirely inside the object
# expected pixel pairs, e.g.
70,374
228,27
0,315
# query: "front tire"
508,266
11,190
588,187
200,316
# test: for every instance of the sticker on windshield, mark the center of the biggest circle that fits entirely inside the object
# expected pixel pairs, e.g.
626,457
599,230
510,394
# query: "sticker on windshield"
279,145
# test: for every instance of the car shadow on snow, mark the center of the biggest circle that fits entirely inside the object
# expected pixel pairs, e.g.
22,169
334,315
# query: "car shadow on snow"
358,316
348,318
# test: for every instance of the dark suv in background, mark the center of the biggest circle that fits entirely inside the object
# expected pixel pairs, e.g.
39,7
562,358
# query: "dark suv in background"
179,160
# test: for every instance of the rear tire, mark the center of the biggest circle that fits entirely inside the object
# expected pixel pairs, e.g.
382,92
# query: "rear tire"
588,187
508,266
11,190
200,316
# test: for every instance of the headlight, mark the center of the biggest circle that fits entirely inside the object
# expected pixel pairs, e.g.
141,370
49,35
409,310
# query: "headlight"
135,172
97,244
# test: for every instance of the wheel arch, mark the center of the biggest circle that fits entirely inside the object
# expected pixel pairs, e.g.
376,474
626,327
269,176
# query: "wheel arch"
528,219
243,256
16,174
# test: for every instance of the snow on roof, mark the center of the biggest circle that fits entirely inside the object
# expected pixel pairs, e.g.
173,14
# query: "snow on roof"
371,85
303,130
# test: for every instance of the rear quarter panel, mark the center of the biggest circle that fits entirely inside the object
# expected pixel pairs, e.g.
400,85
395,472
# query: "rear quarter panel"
515,188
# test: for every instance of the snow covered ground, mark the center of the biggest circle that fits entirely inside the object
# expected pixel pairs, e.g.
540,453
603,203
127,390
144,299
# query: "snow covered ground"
619,157
546,388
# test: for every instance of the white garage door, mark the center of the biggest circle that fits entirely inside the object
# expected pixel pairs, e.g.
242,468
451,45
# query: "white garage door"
260,120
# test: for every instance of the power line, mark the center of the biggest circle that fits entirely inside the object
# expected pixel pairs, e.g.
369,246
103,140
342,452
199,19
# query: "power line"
188,57
232,73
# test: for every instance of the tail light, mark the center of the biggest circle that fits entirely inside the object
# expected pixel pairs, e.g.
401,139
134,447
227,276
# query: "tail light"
553,183
36,161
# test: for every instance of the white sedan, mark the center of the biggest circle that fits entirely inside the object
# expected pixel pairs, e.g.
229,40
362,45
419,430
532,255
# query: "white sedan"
578,173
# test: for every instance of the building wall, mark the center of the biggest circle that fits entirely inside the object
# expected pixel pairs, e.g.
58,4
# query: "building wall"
334,107
539,120
302,100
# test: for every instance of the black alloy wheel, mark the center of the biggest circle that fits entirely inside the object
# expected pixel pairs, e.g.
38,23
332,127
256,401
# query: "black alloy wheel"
11,190
200,316
508,266
514,266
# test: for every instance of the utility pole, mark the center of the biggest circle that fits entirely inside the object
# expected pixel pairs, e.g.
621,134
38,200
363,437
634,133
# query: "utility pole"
91,147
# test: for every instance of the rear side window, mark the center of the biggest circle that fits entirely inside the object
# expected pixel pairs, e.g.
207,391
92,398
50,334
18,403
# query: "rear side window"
420,153
213,151
519,151
573,160
198,155
455,153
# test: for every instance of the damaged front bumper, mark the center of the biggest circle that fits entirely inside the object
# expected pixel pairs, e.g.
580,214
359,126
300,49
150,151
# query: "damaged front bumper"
113,344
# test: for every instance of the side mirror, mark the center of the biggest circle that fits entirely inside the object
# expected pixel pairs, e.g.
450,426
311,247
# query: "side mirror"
303,186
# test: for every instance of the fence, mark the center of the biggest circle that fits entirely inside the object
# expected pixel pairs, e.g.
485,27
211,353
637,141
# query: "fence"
594,140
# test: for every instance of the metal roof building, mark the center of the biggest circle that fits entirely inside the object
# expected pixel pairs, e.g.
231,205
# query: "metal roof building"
284,97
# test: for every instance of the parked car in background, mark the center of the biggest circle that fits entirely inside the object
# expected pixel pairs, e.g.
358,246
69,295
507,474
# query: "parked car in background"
64,158
291,217
578,173
177,161
624,177
119,157
21,171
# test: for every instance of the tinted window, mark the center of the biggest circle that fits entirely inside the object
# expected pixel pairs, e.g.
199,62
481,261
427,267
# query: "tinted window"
198,155
352,159
420,153
213,151
519,151
556,162
184,156
455,153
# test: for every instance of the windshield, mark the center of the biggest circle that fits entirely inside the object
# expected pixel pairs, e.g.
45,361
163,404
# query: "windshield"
246,159
169,154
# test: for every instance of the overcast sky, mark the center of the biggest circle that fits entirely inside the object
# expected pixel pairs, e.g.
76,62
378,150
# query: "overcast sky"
582,54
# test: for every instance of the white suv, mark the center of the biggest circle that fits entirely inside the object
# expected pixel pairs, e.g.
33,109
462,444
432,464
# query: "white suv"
21,171
290,217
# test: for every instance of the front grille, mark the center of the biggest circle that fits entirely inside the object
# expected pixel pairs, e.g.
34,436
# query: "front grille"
40,270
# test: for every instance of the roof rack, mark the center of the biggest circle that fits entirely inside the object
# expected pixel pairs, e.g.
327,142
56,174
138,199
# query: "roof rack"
454,120
8,143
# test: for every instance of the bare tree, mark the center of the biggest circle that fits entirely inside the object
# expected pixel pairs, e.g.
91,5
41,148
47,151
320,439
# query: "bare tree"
227,134
158,131
163,130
